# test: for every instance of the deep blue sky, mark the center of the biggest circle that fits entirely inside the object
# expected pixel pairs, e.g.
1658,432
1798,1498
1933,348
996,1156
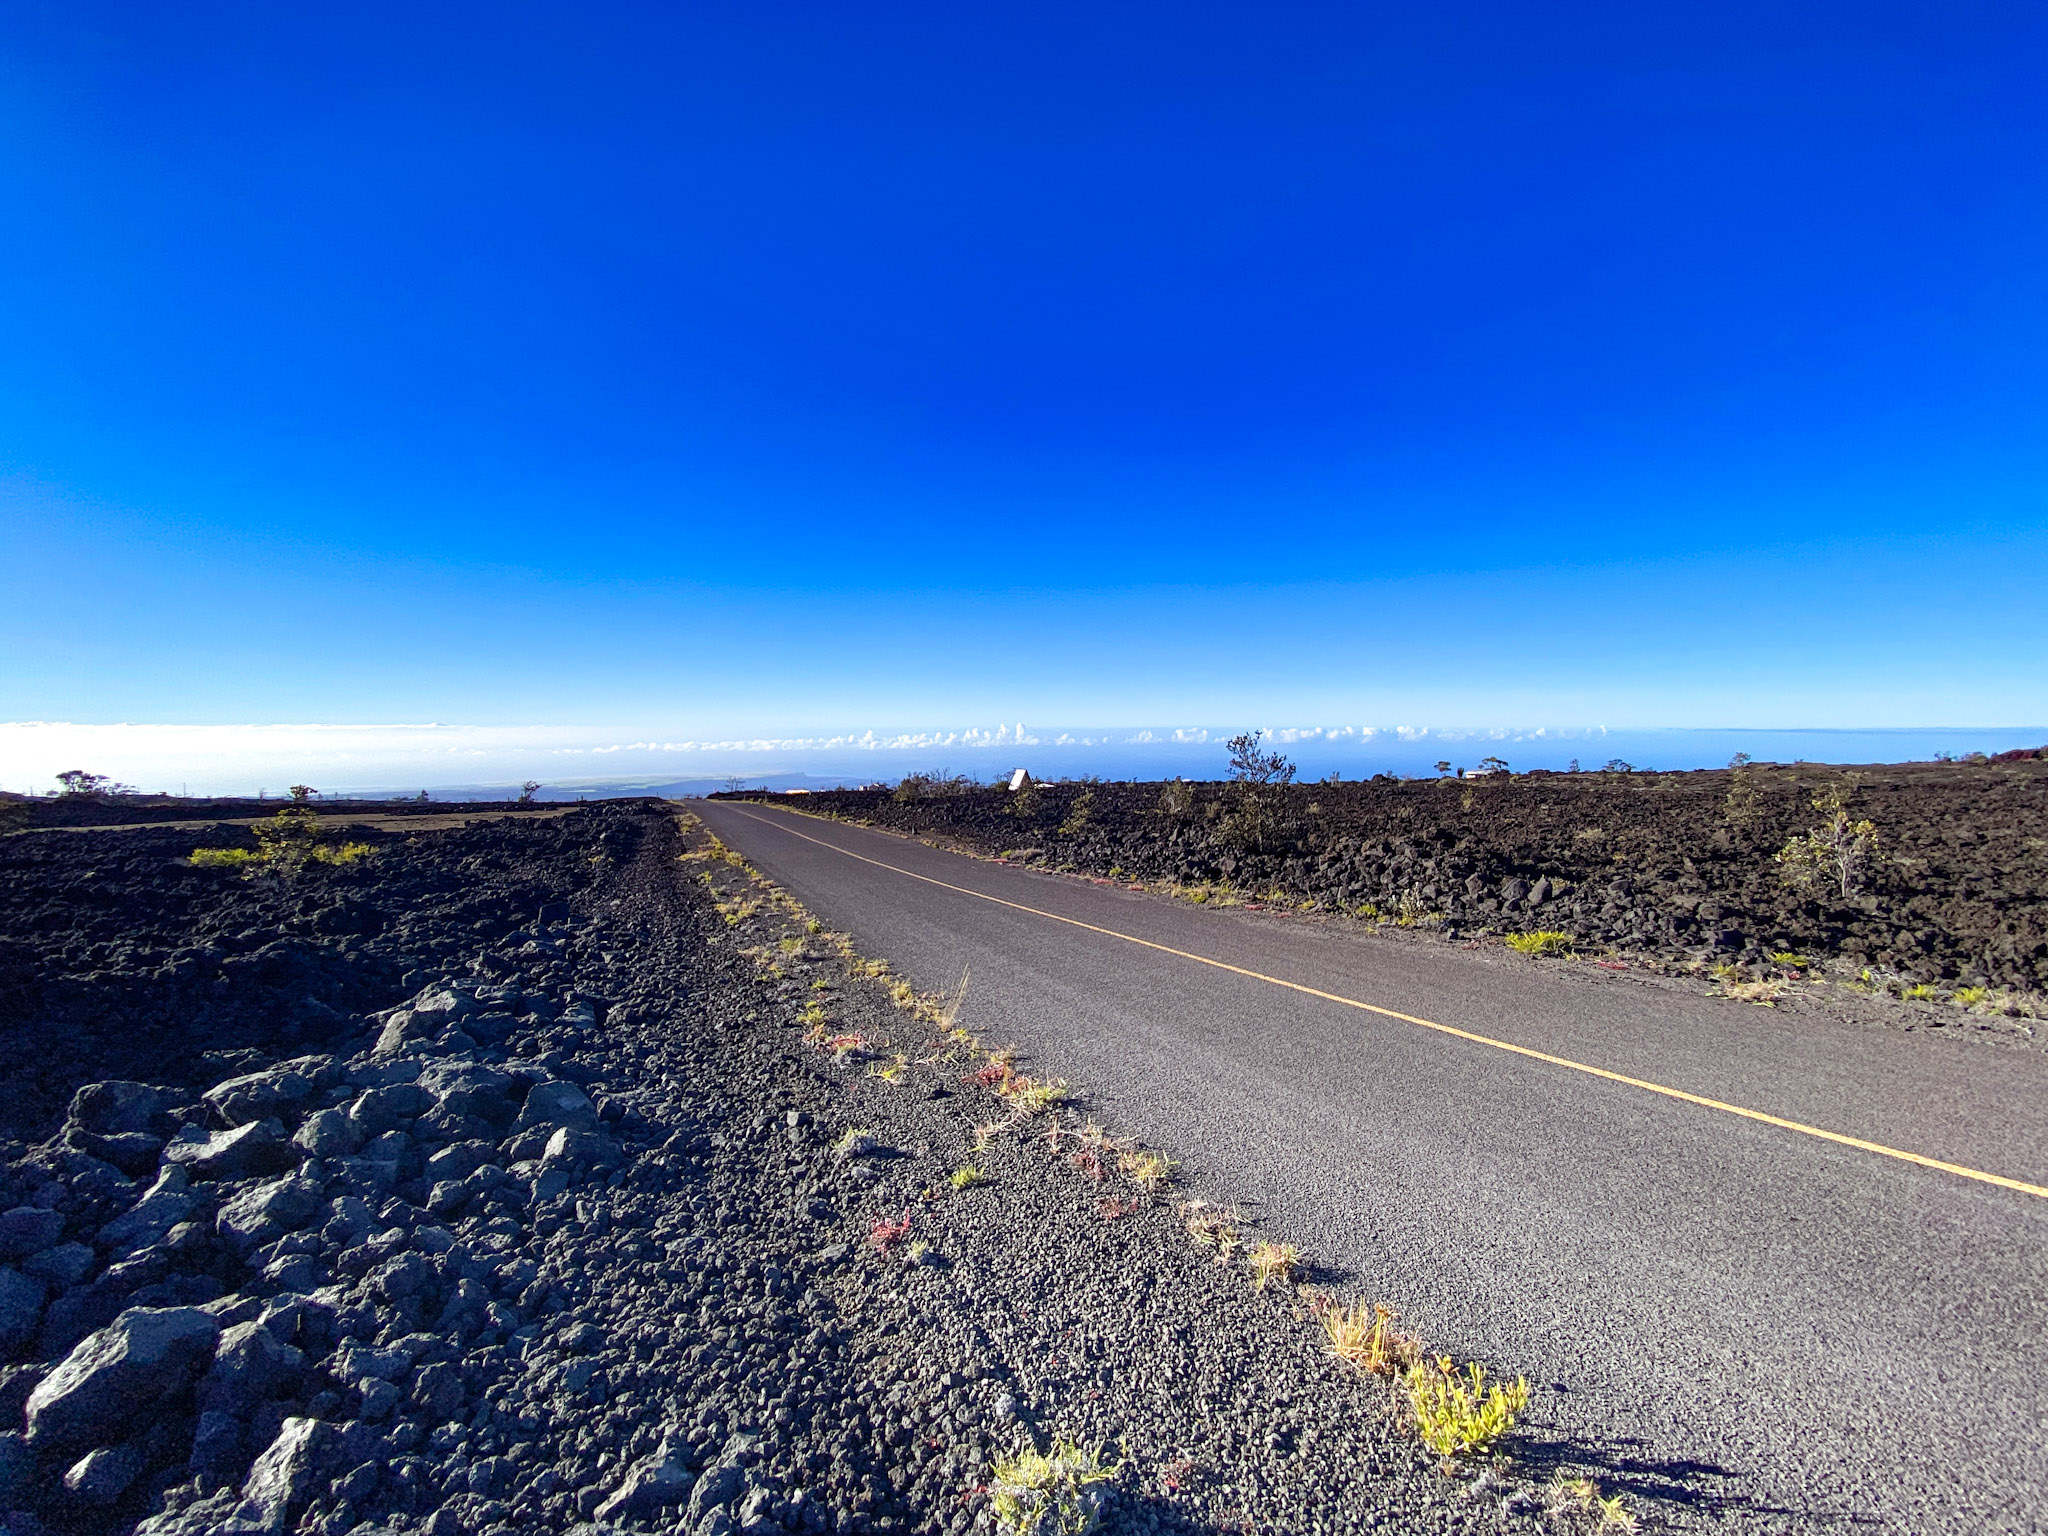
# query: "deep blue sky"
798,367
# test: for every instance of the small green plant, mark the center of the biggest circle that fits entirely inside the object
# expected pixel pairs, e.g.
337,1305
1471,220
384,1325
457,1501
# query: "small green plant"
1921,992
1053,1493
1457,1412
1148,1170
1411,911
894,1071
1364,1334
1577,1500
1791,961
1743,805
1970,997
1079,814
1213,1228
1836,852
966,1177
1275,1262
285,844
1545,941
224,858
1031,1095
852,1140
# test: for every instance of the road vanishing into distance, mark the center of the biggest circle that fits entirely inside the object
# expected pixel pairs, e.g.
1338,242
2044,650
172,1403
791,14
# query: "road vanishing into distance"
1735,1321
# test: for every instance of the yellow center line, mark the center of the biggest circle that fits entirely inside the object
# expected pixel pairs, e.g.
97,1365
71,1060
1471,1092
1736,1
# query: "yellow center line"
1566,1062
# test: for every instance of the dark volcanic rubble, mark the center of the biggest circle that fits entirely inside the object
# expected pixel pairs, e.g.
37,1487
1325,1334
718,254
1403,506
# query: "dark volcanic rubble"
580,1226
1674,867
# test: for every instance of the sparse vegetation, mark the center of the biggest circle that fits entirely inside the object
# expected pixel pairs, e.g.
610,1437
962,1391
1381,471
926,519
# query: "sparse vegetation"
1053,1493
1836,852
966,1176
1148,1170
885,1234
1575,1503
1079,813
1364,1334
1458,1413
1542,942
77,784
1274,1262
285,845
1213,1227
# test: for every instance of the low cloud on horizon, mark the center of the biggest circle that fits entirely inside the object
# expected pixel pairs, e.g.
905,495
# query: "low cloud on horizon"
244,759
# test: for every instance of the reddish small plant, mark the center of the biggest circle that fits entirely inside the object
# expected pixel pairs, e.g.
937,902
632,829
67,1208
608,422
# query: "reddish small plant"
1115,1210
886,1233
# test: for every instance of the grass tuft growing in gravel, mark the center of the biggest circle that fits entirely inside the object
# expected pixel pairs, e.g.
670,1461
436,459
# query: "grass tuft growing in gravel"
1055,1493
1275,1262
1456,1412
1544,941
1364,1334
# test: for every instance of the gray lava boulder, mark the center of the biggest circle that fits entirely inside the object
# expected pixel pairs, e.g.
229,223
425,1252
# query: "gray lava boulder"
471,1091
61,1267
115,1108
663,1478
460,1160
102,1476
558,1104
283,1475
217,1454
135,1153
277,1093
408,1274
21,1308
378,1110
247,1151
587,1149
265,1212
725,1483
250,1366
168,1202
140,1362
26,1231
401,1032
327,1133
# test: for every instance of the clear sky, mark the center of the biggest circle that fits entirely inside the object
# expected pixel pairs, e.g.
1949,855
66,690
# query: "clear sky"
808,368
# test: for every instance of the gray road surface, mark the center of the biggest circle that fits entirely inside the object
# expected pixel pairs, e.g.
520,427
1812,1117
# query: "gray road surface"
1738,1325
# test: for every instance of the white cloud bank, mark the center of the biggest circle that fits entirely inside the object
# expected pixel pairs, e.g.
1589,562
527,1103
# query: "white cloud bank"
234,759
243,759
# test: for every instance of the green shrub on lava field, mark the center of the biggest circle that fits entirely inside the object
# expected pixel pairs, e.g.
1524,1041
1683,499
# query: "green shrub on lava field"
285,844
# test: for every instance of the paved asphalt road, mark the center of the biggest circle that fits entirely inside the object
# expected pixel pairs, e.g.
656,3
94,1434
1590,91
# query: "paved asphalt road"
1718,1315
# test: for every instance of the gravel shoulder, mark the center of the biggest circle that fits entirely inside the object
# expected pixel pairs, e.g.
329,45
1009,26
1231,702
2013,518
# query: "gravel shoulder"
1795,1332
567,1179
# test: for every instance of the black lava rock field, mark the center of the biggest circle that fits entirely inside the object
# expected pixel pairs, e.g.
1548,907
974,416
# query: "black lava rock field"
555,1173
1948,889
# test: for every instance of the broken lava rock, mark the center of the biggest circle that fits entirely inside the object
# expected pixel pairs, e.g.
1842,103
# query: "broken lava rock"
135,1364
